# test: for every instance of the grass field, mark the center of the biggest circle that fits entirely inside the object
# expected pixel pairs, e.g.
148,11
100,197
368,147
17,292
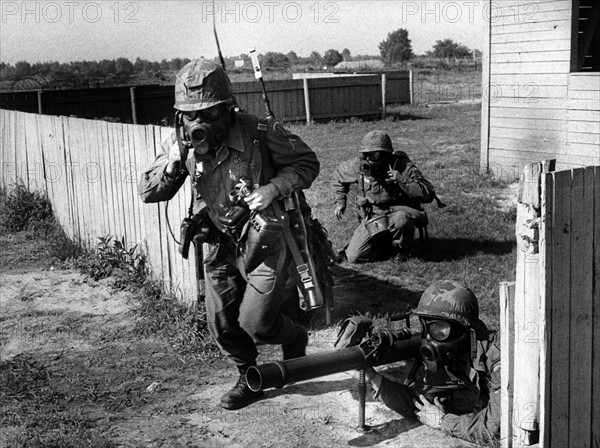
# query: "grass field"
471,240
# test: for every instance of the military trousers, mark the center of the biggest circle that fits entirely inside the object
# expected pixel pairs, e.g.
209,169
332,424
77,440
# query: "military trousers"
402,222
242,311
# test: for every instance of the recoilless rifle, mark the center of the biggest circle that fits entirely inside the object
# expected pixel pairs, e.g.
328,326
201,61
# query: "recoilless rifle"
380,346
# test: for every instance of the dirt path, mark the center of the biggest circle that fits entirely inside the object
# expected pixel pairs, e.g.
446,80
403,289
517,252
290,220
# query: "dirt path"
75,374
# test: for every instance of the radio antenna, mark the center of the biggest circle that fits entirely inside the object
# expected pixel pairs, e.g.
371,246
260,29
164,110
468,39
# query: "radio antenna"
217,38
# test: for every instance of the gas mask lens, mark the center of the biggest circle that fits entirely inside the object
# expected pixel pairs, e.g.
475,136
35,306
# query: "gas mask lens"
439,330
204,115
374,156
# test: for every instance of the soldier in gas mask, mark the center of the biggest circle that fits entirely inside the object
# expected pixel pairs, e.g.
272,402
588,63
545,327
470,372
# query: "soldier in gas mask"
227,154
459,392
391,190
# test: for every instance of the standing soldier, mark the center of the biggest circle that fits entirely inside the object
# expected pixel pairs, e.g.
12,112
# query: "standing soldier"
236,162
391,190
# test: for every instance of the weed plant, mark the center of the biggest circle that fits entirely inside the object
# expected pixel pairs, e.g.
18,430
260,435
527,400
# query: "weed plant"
24,209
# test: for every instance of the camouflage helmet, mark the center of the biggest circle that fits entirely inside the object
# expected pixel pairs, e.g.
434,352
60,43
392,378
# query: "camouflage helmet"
451,301
201,84
376,141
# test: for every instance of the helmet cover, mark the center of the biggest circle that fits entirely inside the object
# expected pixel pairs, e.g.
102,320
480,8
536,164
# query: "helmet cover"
376,141
451,301
201,84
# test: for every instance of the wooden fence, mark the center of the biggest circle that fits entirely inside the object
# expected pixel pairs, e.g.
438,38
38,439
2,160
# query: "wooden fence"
291,100
551,318
90,170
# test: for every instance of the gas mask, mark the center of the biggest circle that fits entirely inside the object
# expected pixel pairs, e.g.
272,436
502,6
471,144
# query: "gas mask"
374,164
205,130
444,342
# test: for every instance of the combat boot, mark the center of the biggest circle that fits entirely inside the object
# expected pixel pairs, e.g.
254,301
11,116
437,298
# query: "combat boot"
240,395
297,348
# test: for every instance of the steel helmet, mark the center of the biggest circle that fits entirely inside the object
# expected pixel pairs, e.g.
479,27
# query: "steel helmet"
451,301
201,84
376,141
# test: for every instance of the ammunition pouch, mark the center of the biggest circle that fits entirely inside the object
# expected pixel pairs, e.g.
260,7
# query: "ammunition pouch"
196,229
378,225
261,236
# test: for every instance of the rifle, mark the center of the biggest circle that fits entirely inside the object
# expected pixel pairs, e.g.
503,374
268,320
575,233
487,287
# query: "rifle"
379,347
306,275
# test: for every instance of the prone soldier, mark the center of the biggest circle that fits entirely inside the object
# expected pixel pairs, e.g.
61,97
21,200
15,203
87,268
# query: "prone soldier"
460,390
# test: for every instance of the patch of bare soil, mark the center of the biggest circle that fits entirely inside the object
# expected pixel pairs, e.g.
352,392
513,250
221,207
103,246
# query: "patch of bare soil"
75,374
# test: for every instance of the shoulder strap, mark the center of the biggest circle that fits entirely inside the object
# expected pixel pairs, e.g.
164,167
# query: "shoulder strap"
267,164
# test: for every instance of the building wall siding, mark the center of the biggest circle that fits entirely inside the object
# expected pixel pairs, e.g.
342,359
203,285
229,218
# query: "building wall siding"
537,109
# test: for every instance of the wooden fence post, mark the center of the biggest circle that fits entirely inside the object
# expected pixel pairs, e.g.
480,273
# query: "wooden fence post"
383,87
39,101
410,87
507,341
306,101
546,212
133,106
527,317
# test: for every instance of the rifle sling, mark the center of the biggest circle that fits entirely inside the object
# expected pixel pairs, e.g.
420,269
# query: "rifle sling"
267,174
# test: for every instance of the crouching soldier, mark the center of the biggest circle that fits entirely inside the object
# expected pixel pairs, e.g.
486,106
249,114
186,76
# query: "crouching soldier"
391,190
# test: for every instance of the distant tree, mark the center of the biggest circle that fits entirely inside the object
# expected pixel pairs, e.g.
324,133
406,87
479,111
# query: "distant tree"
7,71
164,65
141,66
315,58
477,53
332,57
396,47
22,69
447,48
275,61
293,57
346,54
124,66
107,66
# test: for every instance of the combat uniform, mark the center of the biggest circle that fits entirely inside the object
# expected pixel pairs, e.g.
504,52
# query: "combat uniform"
400,201
241,308
472,401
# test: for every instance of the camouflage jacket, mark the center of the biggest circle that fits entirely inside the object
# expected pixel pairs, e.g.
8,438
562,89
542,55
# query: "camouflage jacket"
295,166
412,190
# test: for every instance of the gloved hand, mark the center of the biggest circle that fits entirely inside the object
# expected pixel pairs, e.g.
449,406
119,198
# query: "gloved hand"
174,159
352,331
262,197
339,211
393,177
428,413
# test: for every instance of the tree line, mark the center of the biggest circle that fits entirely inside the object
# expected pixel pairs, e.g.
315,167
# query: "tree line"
395,49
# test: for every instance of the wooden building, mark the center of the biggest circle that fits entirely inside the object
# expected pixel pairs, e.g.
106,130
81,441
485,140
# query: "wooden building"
541,85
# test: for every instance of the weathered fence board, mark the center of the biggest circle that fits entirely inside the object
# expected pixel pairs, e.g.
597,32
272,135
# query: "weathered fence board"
560,254
507,341
581,307
595,389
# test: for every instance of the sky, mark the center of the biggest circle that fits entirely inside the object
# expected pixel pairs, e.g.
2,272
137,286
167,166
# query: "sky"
64,31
